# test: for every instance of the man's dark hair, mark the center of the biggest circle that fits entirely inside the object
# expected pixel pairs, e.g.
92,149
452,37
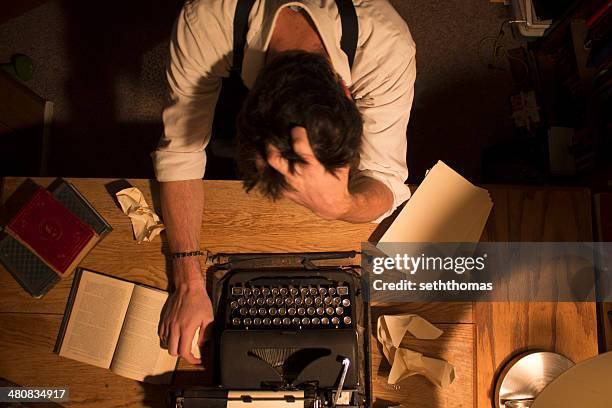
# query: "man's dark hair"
296,89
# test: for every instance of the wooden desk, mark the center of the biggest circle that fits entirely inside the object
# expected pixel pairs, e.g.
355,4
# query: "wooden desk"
236,222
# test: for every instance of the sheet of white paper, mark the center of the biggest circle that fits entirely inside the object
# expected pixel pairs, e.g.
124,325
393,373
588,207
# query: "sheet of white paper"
444,208
195,349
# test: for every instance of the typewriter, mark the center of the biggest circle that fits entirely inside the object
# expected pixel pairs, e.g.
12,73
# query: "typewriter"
289,333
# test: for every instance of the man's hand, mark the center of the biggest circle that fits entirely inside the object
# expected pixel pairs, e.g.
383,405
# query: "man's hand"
311,185
188,308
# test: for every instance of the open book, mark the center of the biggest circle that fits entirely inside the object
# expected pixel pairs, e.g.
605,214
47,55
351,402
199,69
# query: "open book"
112,323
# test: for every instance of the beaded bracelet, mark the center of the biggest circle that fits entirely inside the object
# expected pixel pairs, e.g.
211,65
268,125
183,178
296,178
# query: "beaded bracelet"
176,255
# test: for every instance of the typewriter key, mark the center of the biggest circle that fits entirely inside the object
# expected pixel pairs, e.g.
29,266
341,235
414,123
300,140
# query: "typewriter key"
332,291
257,321
316,321
256,291
346,302
241,301
327,300
279,301
322,291
308,301
277,321
293,291
305,321
304,291
282,311
284,291
324,320
347,320
298,301
286,321
243,311
250,301
252,311
337,301
235,321
262,311
339,311
234,304
313,291
272,311
270,301
289,301
335,320
342,290
236,291
296,320
247,321
329,311
261,301
275,291
291,311
246,291
267,321
310,311
320,311
265,291
301,311
318,301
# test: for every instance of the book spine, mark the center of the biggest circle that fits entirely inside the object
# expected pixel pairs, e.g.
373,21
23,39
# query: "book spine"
68,311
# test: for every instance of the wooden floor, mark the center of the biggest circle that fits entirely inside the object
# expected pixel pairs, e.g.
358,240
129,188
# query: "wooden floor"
478,338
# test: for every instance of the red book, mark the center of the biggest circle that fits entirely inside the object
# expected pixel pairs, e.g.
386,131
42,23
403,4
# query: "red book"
52,232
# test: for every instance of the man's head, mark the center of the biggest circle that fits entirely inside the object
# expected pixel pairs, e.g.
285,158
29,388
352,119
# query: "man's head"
296,89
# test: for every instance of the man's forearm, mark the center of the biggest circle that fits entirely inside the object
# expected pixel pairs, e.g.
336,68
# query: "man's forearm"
369,200
182,207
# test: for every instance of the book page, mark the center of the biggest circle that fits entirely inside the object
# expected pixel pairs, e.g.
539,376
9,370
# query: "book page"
139,354
96,319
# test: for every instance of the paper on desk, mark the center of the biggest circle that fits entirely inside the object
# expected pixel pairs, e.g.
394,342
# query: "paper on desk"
145,221
195,348
405,362
445,208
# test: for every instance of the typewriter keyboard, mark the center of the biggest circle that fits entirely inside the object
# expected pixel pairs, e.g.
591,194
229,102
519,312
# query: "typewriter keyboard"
290,307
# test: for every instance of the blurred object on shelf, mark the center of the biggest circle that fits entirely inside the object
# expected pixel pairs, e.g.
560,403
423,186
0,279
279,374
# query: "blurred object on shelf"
525,109
528,22
21,67
560,141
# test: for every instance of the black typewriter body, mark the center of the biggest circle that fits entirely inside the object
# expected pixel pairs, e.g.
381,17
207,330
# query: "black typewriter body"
288,327
288,333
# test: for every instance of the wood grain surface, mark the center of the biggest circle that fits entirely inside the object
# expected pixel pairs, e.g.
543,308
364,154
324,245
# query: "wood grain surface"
505,329
455,346
477,338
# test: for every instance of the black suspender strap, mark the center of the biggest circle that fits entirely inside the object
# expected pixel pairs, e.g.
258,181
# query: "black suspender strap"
241,27
350,28
348,42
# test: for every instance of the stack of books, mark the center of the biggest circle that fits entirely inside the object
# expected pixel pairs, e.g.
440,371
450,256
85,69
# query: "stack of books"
49,236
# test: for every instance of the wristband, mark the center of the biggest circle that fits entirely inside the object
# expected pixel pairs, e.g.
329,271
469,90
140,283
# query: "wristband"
176,255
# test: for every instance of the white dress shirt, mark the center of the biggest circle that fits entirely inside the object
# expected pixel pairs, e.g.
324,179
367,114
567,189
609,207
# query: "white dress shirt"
381,81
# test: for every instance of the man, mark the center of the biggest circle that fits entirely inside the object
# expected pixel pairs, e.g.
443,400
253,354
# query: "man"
315,130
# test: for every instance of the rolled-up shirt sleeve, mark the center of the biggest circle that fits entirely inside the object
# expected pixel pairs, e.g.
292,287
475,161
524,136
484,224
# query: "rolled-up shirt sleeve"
198,60
386,111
